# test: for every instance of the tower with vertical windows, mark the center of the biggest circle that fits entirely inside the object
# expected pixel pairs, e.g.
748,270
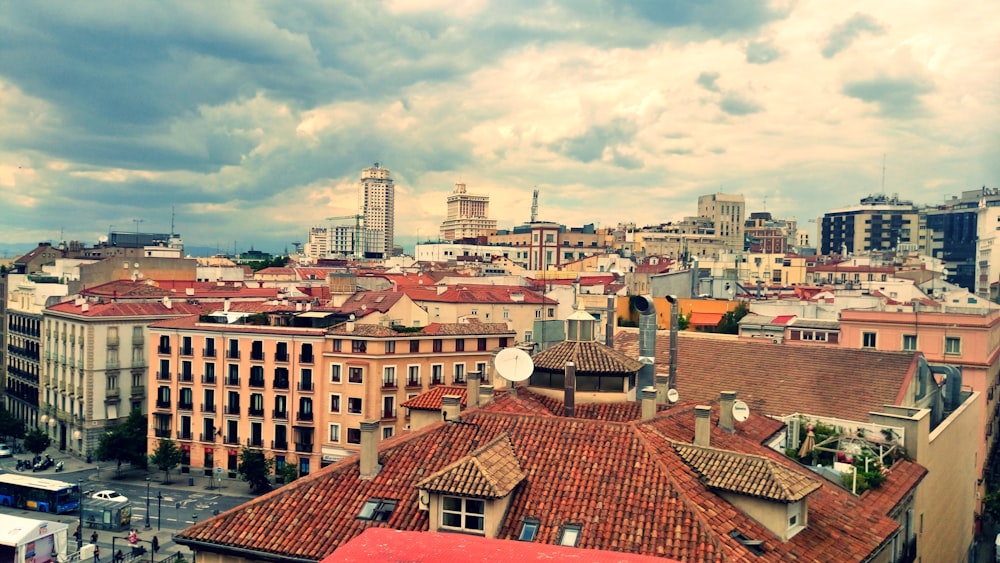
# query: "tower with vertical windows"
378,210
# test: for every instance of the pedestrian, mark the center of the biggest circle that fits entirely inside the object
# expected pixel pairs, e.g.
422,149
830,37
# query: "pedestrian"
156,545
97,553
93,537
119,557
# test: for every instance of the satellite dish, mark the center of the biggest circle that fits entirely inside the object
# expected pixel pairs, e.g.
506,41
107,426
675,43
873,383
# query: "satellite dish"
513,364
741,411
673,395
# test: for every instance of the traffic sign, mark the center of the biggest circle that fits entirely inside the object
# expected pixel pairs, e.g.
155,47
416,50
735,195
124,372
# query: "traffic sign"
218,471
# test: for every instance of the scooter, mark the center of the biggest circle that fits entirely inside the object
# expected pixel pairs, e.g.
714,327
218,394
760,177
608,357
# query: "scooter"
59,466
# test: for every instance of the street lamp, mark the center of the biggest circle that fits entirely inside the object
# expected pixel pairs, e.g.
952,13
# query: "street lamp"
147,504
159,507
79,537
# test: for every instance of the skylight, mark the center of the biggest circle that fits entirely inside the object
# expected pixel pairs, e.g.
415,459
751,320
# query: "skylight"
529,529
377,510
570,535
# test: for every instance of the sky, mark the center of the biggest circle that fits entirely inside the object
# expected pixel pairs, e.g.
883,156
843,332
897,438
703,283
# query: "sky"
248,122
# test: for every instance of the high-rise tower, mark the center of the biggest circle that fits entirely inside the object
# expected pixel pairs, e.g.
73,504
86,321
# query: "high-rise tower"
468,216
379,210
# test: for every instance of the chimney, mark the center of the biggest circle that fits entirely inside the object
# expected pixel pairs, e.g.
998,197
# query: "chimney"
225,305
441,289
726,411
647,339
451,406
702,426
569,391
369,449
648,403
485,394
472,381
609,331
349,325
662,386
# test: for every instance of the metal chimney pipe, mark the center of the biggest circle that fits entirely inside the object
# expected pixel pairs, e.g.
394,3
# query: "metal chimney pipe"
727,398
675,307
647,340
648,403
609,331
569,391
702,426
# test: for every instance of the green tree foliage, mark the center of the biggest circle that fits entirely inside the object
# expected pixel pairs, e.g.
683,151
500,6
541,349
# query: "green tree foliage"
36,441
255,468
166,457
287,473
274,262
10,427
729,324
683,322
125,442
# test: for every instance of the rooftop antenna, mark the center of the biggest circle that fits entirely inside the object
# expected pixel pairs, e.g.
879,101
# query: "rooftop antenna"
534,206
172,215
883,173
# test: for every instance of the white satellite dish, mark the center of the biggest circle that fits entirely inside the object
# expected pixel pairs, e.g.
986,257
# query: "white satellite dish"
513,364
673,395
741,411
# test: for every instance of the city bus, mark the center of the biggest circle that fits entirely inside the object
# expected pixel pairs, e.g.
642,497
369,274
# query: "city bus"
35,493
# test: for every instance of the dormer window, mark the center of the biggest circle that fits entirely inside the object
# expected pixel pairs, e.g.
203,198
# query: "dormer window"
377,510
465,514
570,535
529,529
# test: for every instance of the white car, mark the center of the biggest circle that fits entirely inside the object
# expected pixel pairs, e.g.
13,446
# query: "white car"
110,495
5,451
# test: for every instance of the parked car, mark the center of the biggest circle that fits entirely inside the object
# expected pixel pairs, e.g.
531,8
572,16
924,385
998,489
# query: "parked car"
108,494
5,451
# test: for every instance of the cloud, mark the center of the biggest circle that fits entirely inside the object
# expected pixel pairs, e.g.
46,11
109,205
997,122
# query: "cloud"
735,103
711,15
592,144
762,52
707,81
896,97
843,34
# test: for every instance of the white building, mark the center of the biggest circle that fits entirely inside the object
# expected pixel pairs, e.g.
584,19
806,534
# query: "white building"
379,206
468,216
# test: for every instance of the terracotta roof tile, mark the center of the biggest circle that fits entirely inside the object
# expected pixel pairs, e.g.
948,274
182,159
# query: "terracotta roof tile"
746,474
478,294
588,357
775,379
491,472
431,400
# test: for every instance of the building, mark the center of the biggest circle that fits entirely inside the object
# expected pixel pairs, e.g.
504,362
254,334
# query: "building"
962,233
880,222
379,207
298,393
543,245
468,216
727,212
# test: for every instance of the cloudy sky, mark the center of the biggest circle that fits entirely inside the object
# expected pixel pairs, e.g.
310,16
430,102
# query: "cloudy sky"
252,120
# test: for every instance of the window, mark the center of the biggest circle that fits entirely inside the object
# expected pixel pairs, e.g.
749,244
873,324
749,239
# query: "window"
355,375
506,314
868,339
413,376
334,403
335,373
414,346
390,346
527,336
538,314
909,342
459,373
335,433
389,376
570,535
952,345
481,345
460,345
353,435
463,513
437,371
377,510
387,432
359,346
354,405
337,345
550,312
438,346
529,529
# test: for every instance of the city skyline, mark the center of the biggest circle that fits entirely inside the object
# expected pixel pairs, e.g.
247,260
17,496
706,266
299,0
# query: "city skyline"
252,123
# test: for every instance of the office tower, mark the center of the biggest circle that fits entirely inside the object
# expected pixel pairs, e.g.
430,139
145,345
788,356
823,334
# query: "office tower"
378,210
468,216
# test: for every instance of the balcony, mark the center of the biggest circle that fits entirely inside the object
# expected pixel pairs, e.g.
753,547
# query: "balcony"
232,409
210,407
113,394
163,376
233,381
388,384
208,353
255,442
304,416
234,440
437,380
257,383
185,406
208,378
138,391
160,404
163,349
413,384
138,339
255,412
185,435
186,351
256,356
389,413
304,447
162,432
306,359
233,354
306,386
280,383
281,357
279,444
186,376
209,437
280,415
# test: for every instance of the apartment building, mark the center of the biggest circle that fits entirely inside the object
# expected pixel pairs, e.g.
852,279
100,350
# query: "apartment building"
879,222
379,209
468,216
728,213
298,393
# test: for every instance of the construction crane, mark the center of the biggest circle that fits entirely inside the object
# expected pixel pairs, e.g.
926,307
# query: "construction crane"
357,247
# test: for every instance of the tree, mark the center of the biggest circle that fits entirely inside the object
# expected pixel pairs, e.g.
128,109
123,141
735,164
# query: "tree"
730,322
166,457
287,473
36,441
683,322
125,442
10,427
255,468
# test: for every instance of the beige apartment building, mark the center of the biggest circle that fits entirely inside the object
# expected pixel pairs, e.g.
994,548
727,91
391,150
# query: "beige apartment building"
299,394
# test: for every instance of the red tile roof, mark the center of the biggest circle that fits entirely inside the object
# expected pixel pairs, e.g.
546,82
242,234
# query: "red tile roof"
478,294
431,400
127,309
775,379
623,483
588,357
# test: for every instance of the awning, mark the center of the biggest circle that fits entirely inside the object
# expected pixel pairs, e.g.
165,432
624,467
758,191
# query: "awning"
705,319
